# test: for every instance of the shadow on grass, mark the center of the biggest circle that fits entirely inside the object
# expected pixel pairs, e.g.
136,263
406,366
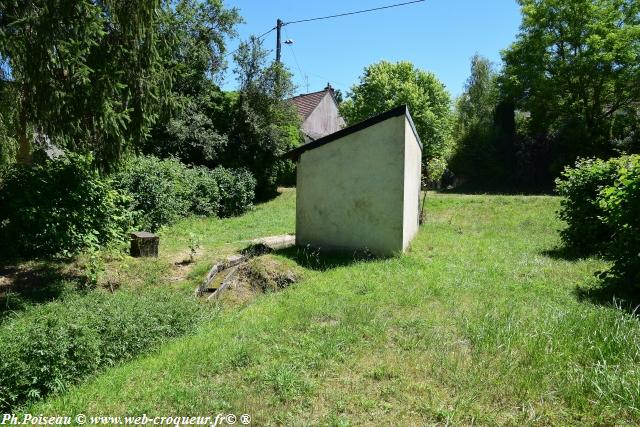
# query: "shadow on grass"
611,291
497,190
320,260
603,289
24,285
564,253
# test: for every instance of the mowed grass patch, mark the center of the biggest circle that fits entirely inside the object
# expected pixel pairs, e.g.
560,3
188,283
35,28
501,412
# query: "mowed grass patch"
478,324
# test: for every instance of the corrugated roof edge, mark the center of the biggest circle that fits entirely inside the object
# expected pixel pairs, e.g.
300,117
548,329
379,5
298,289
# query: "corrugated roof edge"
395,112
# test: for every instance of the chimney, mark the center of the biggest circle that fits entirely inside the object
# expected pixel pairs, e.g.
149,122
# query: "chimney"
328,88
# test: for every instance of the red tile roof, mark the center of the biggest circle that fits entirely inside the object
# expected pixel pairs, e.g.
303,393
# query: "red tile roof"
307,102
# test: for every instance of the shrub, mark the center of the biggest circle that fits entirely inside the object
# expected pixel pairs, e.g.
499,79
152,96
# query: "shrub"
48,348
164,191
580,208
620,203
601,206
59,207
160,190
205,196
236,188
435,169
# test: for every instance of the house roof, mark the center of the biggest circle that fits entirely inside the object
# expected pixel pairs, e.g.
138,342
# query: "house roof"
398,111
307,102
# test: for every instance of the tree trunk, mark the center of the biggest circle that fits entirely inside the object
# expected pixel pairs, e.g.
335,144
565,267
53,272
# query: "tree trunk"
24,148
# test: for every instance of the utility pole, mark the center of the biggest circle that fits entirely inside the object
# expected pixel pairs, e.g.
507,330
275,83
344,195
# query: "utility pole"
279,25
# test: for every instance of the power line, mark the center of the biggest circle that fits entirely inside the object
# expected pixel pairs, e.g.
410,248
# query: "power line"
259,37
354,13
302,74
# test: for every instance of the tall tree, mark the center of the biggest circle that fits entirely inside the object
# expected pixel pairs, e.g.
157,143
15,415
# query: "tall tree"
575,67
193,127
479,156
8,104
265,124
477,103
386,85
89,73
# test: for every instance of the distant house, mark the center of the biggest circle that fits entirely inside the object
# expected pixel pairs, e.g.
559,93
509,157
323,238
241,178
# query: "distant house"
359,188
319,113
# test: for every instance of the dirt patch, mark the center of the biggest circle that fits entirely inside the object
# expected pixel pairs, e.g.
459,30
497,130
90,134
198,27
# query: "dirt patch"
258,276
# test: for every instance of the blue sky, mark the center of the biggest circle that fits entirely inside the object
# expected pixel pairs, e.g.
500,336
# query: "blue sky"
436,35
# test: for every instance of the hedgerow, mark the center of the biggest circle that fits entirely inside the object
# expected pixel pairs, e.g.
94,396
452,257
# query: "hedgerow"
164,191
59,207
50,347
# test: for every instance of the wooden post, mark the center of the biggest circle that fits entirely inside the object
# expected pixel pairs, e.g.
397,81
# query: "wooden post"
144,244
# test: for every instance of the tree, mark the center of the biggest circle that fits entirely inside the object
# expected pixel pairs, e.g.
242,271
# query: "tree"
339,97
89,74
8,145
477,104
479,155
386,85
194,125
575,67
265,125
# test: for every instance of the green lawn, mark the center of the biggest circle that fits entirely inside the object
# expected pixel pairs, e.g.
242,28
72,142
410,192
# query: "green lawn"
480,323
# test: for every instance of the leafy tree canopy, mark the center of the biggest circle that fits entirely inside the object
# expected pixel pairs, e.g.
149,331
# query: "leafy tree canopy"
265,124
194,125
385,85
96,75
480,153
575,67
477,103
88,72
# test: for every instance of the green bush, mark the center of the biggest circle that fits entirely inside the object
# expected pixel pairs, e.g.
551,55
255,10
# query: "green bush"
164,191
205,197
160,190
48,348
236,189
620,203
580,208
59,207
601,206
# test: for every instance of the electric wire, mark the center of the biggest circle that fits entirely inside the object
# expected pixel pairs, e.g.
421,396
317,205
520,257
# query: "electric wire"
259,37
295,58
353,13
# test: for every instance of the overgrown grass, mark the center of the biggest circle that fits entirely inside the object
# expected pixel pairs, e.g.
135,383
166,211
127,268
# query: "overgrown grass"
478,324
52,346
24,284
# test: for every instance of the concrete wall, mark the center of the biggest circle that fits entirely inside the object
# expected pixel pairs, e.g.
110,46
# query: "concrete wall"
351,191
324,119
412,184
